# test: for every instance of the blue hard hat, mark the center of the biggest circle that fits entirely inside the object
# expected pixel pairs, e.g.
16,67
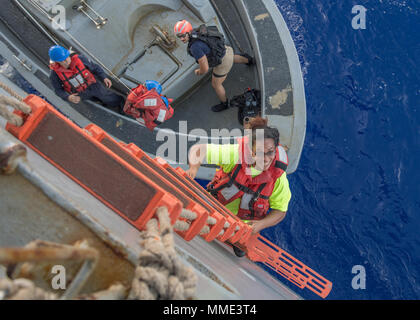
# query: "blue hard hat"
166,101
152,84
58,53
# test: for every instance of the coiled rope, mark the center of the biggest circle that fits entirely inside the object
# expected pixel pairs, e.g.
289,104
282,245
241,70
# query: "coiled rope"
160,274
23,289
11,92
8,104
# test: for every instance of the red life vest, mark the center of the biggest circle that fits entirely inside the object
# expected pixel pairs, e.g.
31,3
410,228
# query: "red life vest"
76,78
253,191
148,106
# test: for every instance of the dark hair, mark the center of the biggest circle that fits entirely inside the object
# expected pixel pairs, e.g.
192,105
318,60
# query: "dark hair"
259,123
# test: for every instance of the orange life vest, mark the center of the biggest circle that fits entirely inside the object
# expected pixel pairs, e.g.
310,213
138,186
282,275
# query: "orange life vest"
149,106
253,191
77,78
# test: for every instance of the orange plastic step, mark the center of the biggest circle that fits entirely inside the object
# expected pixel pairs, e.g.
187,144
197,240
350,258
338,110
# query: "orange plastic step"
158,176
90,164
259,249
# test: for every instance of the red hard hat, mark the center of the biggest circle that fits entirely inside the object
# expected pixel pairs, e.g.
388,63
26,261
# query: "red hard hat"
182,27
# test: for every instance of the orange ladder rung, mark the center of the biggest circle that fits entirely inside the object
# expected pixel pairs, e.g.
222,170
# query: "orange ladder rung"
262,250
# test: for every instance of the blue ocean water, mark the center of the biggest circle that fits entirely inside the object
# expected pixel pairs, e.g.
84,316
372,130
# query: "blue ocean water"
356,194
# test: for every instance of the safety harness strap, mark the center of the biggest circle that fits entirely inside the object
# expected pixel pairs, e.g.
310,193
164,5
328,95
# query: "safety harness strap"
255,198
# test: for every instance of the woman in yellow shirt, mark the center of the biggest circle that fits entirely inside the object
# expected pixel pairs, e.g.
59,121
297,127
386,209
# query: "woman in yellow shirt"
252,178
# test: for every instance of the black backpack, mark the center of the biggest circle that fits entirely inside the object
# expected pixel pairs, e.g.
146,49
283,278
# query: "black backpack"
248,104
214,39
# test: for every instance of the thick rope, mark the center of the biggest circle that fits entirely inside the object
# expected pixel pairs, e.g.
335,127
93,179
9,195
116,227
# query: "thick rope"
160,274
22,289
9,102
206,228
11,92
182,225
10,116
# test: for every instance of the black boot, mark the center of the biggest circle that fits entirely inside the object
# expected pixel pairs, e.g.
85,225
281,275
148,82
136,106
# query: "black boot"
121,111
238,252
221,106
251,60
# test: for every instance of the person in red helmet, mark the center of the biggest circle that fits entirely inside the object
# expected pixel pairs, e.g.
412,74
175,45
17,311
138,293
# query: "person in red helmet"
207,45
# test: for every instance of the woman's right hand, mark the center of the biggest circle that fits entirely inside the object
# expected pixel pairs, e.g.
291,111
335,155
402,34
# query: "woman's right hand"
192,172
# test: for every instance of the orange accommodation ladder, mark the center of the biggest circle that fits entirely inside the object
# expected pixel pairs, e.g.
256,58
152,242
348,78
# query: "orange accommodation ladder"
191,223
90,164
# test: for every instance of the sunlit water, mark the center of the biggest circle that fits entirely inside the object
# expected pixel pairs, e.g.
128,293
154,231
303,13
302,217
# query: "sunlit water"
356,193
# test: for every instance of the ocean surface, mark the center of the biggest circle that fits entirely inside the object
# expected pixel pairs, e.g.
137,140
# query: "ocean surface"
356,194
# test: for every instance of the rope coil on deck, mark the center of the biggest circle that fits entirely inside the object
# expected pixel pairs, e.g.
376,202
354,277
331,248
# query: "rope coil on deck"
160,274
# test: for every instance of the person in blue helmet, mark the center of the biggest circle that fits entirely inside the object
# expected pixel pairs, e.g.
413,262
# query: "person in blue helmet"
76,78
147,104
153,84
